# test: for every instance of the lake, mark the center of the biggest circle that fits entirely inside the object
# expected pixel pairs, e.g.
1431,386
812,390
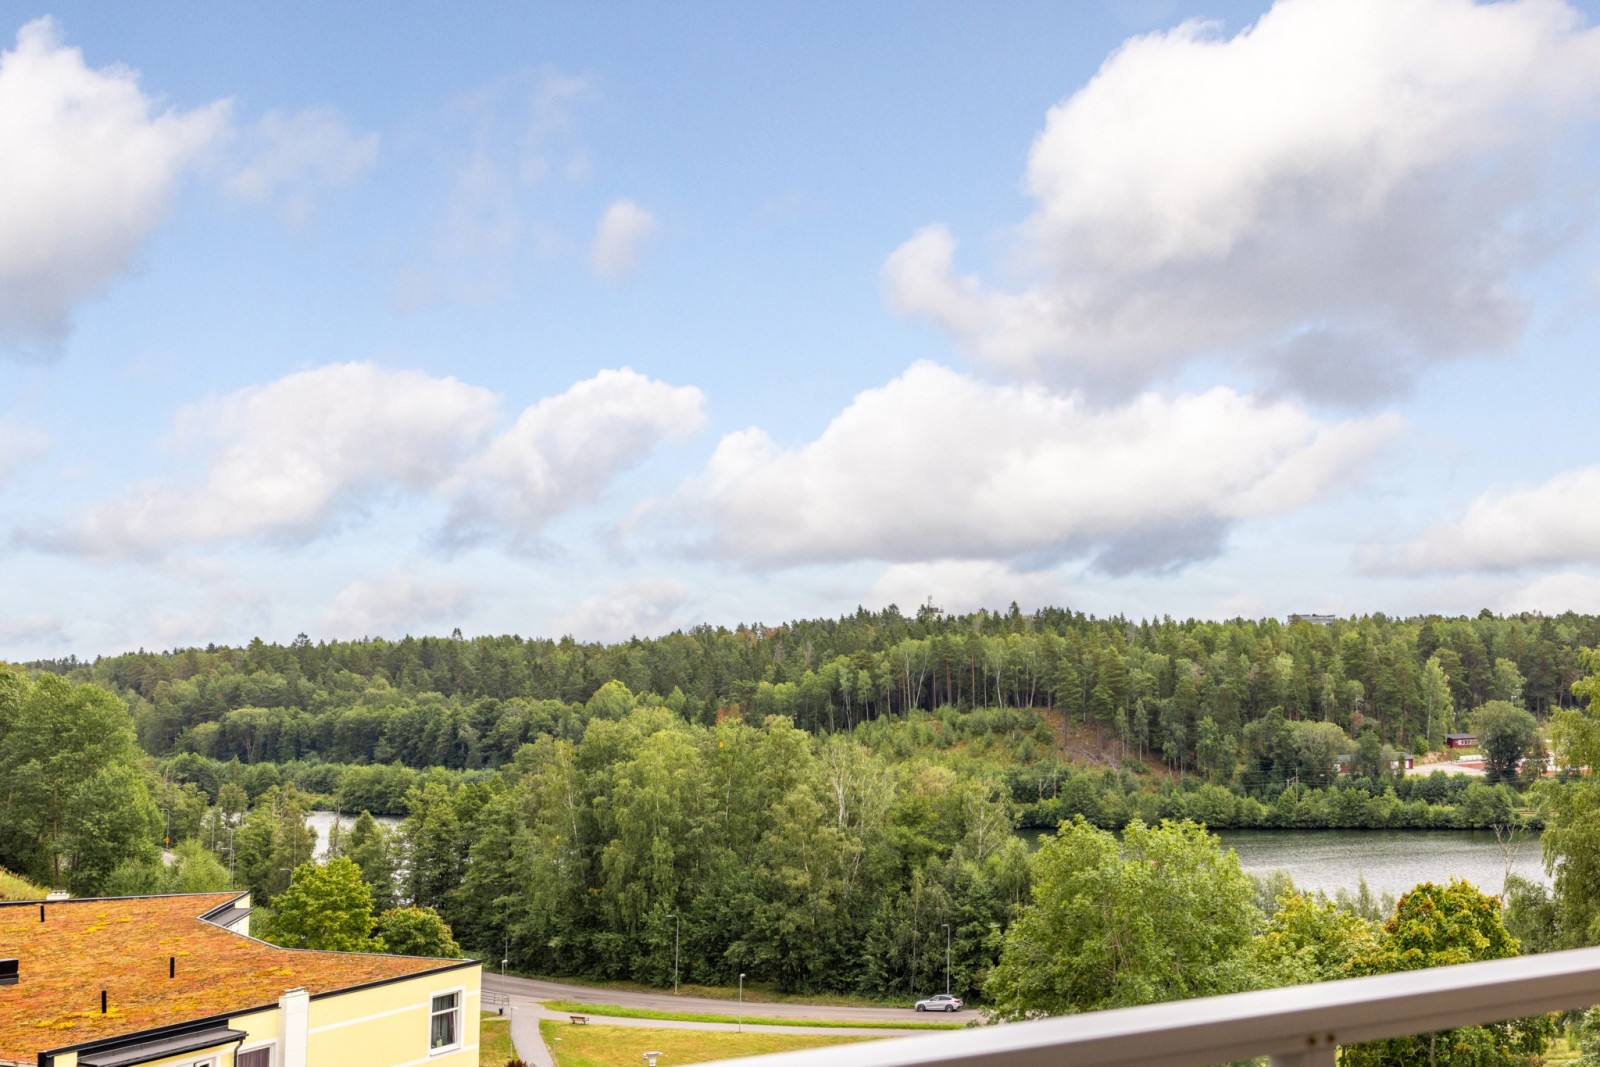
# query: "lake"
1392,861
322,821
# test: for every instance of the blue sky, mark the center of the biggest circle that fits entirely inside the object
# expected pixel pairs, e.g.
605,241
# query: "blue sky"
610,319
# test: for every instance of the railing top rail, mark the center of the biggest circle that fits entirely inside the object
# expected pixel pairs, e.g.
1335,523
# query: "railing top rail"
1270,1022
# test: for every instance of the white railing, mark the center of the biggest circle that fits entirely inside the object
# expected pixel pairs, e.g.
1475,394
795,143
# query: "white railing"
1299,1026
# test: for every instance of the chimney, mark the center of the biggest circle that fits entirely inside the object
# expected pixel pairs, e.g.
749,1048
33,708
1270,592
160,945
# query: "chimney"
8,972
172,966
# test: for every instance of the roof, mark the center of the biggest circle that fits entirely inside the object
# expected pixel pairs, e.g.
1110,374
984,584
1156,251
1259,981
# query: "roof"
122,945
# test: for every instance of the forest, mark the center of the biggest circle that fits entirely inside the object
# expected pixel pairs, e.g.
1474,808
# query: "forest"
819,805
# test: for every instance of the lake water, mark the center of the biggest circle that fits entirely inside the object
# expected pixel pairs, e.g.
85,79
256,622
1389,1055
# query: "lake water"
322,822
1392,861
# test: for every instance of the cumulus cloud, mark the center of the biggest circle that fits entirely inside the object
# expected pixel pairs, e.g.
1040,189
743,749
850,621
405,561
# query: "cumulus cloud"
37,630
619,239
288,461
88,165
284,460
1556,593
289,158
940,466
1336,196
644,608
963,585
400,602
1545,525
565,450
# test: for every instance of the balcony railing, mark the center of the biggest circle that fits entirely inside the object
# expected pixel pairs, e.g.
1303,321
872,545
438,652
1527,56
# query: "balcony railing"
1299,1026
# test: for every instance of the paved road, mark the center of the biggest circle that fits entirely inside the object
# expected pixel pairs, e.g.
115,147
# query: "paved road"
531,989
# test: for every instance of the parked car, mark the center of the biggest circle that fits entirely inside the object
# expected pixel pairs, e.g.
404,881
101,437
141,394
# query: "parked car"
942,1002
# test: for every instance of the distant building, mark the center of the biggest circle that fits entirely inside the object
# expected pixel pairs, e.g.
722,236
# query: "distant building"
176,981
1314,620
1396,762
1460,740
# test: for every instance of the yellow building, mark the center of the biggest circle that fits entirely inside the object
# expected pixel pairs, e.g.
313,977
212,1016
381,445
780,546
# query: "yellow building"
176,981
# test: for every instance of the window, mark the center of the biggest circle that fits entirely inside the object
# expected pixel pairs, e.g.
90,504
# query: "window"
256,1057
444,1028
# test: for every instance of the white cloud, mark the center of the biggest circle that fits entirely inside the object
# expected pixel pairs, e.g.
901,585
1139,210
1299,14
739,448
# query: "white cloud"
1546,525
286,459
619,239
1556,593
565,451
963,585
939,466
644,608
37,631
291,157
1335,197
88,164
400,602
289,460
515,135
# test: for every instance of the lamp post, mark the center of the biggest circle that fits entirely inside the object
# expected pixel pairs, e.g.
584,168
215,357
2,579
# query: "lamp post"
677,926
947,959
741,1002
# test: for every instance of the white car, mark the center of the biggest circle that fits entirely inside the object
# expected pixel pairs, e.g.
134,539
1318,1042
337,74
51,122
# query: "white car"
942,1002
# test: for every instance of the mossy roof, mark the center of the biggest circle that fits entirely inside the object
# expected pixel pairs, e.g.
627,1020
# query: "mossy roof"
122,945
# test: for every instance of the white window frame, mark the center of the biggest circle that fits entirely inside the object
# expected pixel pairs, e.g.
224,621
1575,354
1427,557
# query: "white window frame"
271,1049
461,1020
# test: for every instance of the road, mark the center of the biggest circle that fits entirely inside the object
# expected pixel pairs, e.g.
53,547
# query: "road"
531,989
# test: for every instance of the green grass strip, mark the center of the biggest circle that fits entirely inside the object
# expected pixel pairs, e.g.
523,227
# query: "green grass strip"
617,1011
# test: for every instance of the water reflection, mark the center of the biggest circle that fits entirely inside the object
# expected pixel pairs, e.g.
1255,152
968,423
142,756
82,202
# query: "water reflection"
1392,861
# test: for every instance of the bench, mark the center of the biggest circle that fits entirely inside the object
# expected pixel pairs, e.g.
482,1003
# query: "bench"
580,1020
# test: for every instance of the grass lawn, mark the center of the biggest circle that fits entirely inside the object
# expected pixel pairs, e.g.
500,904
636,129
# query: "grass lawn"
494,1041
616,1011
624,1046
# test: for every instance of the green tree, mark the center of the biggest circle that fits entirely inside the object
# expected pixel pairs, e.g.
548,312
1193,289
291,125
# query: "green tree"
369,846
1162,914
1438,706
73,802
416,932
1437,926
272,841
326,906
1505,734
1309,940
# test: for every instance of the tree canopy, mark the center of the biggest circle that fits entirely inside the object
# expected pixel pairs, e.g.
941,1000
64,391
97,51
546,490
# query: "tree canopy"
1162,914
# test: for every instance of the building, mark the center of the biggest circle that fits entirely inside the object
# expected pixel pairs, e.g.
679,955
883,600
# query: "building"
1460,740
177,981
1314,620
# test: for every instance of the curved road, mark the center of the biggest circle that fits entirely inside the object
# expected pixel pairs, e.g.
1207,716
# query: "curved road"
532,989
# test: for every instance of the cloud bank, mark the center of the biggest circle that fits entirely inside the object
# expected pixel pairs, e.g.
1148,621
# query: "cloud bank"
292,460
1333,199
936,465
1554,524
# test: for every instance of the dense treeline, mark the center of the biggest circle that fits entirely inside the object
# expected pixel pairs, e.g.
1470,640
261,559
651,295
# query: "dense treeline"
1189,693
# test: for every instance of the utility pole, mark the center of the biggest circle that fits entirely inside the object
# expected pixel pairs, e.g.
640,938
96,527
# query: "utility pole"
946,959
677,926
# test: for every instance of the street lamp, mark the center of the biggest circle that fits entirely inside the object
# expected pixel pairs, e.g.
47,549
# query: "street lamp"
677,926
947,959
741,1002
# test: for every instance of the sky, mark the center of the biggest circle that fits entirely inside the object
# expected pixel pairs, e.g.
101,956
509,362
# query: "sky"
612,319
